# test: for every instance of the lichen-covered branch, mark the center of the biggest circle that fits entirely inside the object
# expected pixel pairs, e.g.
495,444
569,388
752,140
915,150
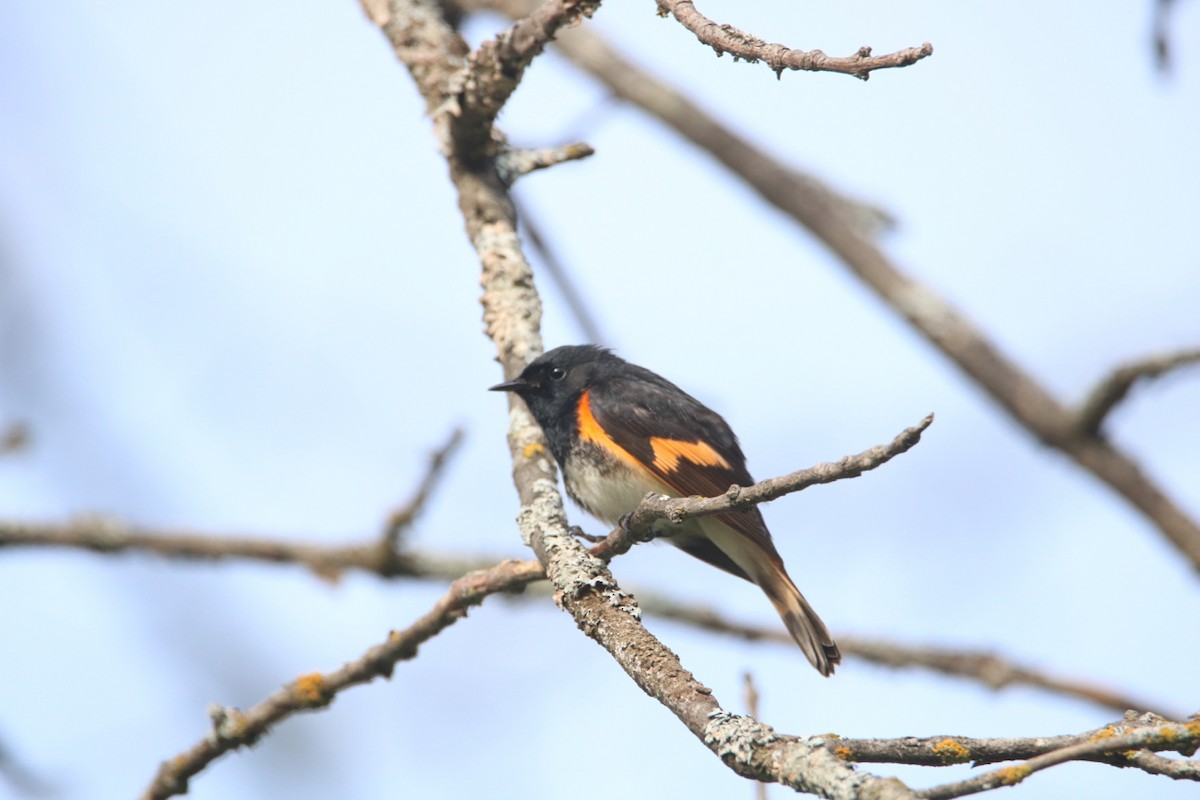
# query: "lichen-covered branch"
1111,744
743,46
937,751
233,728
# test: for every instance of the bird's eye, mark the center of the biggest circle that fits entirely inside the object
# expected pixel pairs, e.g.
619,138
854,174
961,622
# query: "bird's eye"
557,373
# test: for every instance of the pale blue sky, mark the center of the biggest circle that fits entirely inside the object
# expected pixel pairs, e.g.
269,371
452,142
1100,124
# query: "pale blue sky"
236,296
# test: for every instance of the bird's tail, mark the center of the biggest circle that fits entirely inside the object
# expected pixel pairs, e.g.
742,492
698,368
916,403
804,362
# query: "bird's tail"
755,559
802,622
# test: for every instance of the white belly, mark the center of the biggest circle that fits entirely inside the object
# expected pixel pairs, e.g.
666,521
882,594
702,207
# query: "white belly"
610,494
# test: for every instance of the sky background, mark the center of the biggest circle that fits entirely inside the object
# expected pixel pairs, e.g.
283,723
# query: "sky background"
236,297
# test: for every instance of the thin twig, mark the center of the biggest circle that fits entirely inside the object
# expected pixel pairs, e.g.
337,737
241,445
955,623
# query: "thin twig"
105,534
1160,37
15,438
23,779
559,274
628,81
743,46
1116,385
403,517
638,525
992,671
516,162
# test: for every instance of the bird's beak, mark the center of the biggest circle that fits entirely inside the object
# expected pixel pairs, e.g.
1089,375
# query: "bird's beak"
515,385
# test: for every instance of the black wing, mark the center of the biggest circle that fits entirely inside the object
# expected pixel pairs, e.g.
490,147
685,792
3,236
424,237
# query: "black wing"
687,446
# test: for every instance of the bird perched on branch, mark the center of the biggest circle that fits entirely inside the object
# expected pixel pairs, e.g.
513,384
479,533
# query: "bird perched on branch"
620,431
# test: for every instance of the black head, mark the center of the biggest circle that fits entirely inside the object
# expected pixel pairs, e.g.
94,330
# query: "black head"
553,382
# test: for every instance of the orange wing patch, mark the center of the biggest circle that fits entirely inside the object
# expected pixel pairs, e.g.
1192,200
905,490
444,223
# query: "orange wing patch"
668,452
591,431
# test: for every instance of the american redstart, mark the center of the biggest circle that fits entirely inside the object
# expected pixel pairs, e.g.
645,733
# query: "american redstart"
619,431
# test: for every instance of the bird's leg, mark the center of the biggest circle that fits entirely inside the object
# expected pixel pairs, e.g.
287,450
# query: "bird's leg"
578,533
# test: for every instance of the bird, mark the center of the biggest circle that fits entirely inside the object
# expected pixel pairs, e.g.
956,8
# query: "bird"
619,431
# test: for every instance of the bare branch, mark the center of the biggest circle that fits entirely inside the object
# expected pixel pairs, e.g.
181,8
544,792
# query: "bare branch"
23,779
743,46
1112,390
1160,34
103,534
992,671
987,668
629,82
638,525
559,275
233,728
15,438
402,517
106,534
514,163
497,67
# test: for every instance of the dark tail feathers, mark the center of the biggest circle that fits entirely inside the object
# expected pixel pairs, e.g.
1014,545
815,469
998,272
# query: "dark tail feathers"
802,622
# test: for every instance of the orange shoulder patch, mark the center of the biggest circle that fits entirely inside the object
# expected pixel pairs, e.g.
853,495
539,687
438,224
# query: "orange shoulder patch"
591,431
668,452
